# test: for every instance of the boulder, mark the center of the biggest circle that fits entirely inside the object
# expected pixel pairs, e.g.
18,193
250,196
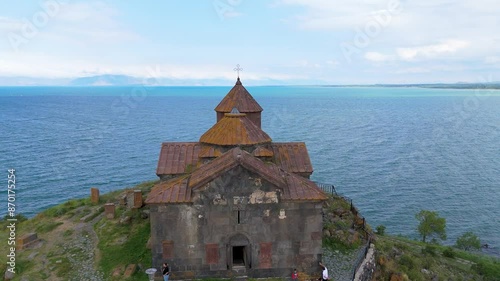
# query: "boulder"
130,270
382,260
353,239
397,277
27,240
8,275
125,220
118,270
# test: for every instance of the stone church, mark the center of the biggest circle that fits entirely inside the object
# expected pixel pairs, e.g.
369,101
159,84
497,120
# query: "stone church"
235,203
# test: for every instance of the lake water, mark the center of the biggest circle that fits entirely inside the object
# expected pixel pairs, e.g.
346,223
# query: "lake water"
394,151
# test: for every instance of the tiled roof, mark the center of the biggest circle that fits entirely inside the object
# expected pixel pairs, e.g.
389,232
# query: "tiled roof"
229,160
300,188
177,157
172,191
238,97
209,151
262,152
179,190
292,156
235,129
212,170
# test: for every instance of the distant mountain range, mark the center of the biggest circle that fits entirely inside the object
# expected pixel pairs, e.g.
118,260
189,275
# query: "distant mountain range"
460,85
125,80
105,80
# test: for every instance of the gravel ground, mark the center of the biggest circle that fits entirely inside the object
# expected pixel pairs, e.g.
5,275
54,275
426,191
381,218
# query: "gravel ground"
83,255
341,265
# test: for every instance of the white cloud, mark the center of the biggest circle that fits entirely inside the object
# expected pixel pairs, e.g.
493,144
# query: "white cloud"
419,53
92,21
46,66
9,24
435,68
332,63
327,14
431,51
67,25
472,25
232,14
492,60
377,57
412,70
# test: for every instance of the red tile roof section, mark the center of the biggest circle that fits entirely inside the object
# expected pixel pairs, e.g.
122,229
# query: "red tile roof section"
179,190
292,156
177,157
172,191
300,188
262,152
228,161
212,170
209,151
238,97
235,129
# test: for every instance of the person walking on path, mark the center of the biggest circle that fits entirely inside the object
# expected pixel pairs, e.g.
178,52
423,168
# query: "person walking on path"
166,271
324,274
295,275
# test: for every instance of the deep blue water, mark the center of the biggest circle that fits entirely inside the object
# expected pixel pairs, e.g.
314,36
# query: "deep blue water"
394,151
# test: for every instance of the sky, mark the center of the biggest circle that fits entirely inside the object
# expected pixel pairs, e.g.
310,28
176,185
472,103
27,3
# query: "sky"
300,42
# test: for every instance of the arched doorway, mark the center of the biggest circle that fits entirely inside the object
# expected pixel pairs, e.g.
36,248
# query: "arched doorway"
239,253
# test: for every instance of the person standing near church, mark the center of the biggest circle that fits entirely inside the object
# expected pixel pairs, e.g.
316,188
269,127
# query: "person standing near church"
324,274
166,271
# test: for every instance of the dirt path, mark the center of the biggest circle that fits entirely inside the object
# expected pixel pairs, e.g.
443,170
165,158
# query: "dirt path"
84,253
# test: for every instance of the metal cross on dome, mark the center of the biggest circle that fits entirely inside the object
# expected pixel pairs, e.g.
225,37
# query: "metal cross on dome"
238,69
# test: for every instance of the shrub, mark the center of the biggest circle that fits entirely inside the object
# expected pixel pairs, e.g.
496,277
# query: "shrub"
48,226
415,275
468,241
407,261
429,250
449,252
430,224
68,232
19,217
380,230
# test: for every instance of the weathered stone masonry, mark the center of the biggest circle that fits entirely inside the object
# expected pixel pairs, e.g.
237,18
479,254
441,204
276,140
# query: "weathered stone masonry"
202,239
235,203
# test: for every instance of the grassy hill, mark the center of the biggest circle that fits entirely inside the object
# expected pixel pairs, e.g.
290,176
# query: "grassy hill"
404,259
78,243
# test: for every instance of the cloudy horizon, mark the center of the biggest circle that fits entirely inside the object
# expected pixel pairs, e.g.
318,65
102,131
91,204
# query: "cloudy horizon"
277,42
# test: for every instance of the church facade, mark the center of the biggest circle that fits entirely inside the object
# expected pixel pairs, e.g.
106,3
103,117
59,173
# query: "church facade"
235,203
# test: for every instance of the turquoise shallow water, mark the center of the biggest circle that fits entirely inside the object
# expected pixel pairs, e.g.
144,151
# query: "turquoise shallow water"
394,151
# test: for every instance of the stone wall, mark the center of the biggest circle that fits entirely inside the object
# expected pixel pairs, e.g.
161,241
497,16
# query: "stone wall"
367,267
238,216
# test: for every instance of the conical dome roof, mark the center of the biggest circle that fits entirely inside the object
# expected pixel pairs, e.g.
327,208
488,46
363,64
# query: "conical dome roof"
235,129
238,97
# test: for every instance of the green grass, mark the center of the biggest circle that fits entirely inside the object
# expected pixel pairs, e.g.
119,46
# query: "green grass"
486,266
61,265
402,255
47,227
121,245
334,244
132,251
65,208
112,196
